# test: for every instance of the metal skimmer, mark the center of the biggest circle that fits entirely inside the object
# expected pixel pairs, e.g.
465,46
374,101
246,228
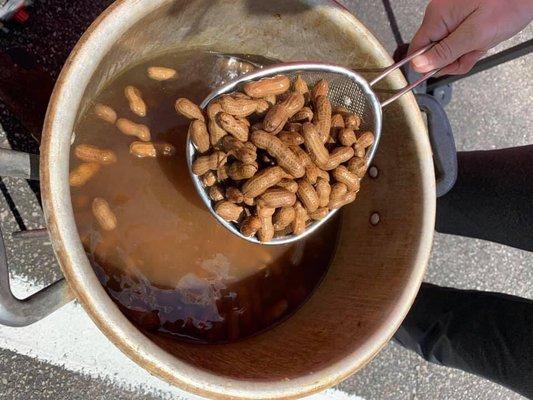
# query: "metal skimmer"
347,89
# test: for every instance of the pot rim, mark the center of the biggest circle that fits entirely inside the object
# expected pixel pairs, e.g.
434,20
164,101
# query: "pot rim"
76,268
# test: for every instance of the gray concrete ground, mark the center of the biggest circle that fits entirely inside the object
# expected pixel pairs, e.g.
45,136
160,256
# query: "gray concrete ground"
489,110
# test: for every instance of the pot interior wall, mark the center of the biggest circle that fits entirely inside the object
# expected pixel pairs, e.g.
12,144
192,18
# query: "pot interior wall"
365,289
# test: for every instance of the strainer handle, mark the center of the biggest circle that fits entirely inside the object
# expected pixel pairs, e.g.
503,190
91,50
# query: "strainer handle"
400,64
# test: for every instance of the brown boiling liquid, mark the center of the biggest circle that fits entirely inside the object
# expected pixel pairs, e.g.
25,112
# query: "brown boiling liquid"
169,265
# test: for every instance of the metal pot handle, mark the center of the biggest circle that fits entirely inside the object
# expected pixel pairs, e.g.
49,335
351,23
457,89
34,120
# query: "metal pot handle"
442,142
13,311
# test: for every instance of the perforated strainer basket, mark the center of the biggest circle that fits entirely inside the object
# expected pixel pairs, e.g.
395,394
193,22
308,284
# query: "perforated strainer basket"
346,88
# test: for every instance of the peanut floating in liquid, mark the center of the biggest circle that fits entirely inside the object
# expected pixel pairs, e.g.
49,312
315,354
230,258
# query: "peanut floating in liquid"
161,73
103,214
277,156
137,104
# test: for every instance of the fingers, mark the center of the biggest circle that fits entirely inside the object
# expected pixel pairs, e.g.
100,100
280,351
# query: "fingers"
445,52
463,65
433,28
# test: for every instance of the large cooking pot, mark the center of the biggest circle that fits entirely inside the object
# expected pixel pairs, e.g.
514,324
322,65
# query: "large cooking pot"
385,238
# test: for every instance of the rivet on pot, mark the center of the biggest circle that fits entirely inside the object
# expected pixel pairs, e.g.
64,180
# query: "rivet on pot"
374,219
373,172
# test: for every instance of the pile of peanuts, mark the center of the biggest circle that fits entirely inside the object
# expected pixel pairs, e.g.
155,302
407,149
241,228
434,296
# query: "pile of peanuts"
93,158
278,156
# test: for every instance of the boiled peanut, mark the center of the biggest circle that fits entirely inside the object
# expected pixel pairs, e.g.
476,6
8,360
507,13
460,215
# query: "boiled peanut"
337,121
213,109
288,184
263,180
262,107
199,135
215,130
305,114
270,99
357,166
234,127
240,95
337,191
222,173
365,140
244,121
323,190
343,175
294,127
300,219
277,197
352,121
208,179
105,113
321,88
150,149
237,107
312,173
239,171
188,109
338,156
249,201
347,137
266,232
103,214
322,117
303,157
343,200
250,225
228,211
83,173
143,149
267,86
283,217
280,151
314,144
161,73
216,193
234,195
204,164
245,152
137,104
307,195
319,214
294,103
89,153
341,110
278,115
301,86
130,128
291,138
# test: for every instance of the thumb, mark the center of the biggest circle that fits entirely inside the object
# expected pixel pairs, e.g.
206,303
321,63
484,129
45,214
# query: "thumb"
448,50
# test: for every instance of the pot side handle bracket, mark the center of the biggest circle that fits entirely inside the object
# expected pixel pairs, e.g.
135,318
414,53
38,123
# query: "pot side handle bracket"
442,143
13,311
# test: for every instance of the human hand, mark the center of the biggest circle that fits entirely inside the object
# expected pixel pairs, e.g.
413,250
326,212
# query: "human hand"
464,30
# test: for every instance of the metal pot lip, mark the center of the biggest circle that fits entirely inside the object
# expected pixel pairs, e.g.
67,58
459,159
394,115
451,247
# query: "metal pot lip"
82,280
